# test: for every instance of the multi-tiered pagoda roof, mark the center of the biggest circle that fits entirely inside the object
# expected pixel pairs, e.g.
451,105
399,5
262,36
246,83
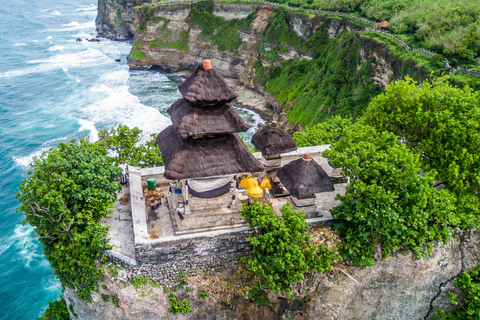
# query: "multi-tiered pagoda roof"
202,140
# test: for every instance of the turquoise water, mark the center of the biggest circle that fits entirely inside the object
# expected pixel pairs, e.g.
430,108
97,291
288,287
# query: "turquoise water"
53,89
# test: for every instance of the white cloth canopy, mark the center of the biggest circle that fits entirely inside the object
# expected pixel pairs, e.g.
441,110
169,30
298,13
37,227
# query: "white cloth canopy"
204,185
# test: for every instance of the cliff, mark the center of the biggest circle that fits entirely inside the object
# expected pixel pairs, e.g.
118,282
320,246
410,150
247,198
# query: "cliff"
251,44
398,288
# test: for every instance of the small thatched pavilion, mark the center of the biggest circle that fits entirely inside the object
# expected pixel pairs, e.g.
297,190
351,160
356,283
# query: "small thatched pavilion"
272,141
202,152
303,178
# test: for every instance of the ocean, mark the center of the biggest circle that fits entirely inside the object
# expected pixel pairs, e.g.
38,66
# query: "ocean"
53,88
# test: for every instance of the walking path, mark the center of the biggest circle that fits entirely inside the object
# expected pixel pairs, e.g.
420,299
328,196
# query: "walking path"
447,64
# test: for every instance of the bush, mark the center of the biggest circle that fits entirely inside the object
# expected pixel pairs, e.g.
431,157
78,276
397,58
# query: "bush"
387,206
57,310
70,190
281,252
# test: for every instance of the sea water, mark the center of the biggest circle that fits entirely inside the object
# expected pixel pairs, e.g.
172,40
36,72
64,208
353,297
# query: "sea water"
52,89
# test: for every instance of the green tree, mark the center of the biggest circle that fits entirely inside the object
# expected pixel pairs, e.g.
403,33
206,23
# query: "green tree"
64,197
57,310
281,252
388,205
443,123
322,133
124,144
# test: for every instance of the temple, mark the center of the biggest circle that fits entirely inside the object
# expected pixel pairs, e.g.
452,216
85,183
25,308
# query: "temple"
304,178
203,153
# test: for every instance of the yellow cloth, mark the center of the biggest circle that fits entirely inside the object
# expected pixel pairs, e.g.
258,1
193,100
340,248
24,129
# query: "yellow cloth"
265,184
249,182
255,191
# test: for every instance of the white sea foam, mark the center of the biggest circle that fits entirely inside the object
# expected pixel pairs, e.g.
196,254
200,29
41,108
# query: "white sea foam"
65,69
90,7
3,248
56,48
77,26
25,161
21,44
89,128
85,58
56,13
25,243
49,37
121,107
71,24
45,10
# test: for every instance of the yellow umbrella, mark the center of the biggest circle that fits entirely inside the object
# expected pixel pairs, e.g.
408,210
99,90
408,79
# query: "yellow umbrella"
249,182
255,192
265,184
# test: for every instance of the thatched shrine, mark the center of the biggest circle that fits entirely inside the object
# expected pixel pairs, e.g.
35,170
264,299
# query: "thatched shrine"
272,141
202,153
303,178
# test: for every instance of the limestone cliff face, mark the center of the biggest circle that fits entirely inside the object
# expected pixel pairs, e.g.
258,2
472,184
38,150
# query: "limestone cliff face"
117,19
398,288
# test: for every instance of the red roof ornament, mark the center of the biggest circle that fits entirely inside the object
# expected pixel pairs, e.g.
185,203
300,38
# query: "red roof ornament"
383,24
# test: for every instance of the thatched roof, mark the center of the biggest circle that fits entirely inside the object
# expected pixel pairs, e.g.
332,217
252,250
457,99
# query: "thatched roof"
206,87
272,140
303,177
216,155
192,120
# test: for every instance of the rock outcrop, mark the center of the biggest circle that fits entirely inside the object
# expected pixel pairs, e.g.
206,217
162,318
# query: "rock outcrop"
398,288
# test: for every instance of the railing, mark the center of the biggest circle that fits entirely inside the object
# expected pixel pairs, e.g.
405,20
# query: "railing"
446,62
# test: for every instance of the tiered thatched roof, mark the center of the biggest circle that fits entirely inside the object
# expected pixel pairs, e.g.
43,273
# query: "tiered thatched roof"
192,120
220,154
272,140
206,87
304,176
202,142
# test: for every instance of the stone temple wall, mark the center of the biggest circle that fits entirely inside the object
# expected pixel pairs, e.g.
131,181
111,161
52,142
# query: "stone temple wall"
214,252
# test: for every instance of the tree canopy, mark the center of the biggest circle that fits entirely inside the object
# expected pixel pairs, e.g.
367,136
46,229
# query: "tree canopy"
442,122
65,196
388,204
125,145
281,252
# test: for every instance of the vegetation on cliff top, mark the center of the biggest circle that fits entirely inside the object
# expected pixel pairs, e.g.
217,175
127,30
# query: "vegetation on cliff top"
225,34
387,205
64,198
281,252
448,27
329,84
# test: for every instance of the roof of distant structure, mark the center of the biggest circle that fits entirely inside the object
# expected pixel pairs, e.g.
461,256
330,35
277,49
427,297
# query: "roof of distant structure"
303,177
216,155
192,120
206,87
383,24
271,140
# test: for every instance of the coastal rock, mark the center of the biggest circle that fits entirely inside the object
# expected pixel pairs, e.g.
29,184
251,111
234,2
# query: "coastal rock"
400,288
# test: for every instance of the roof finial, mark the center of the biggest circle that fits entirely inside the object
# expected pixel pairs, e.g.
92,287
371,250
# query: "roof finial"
207,64
274,124
306,156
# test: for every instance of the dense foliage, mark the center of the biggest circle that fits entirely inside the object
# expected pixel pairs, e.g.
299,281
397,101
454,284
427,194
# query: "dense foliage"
469,284
124,145
443,123
223,33
57,310
387,205
281,252
330,84
322,133
448,27
64,198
